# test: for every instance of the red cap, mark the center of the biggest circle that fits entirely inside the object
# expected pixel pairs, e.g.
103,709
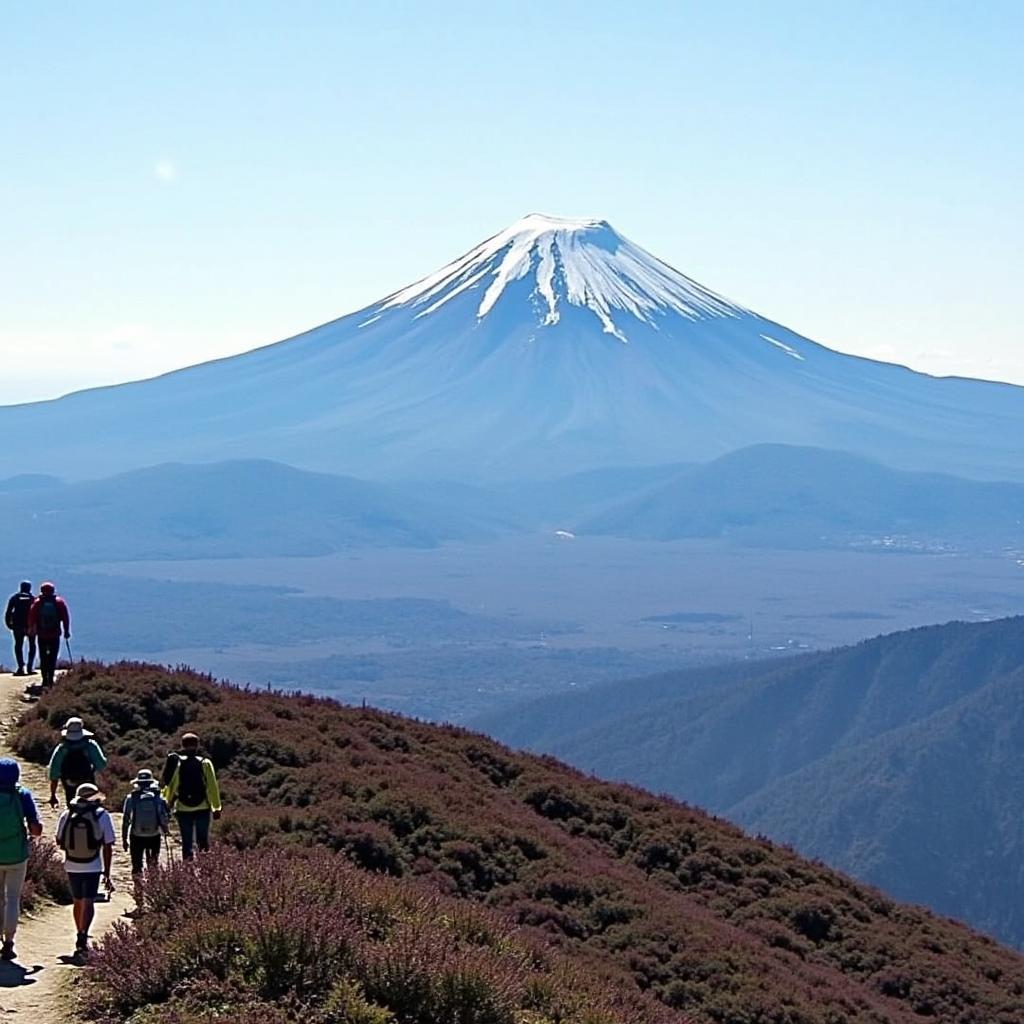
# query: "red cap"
46,588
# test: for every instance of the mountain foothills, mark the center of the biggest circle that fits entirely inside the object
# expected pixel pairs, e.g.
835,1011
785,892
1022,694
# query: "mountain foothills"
456,880
897,759
555,346
784,496
229,510
770,496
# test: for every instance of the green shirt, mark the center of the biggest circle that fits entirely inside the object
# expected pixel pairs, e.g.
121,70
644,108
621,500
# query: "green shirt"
91,747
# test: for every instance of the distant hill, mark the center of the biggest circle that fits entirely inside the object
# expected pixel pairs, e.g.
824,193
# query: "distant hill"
898,759
714,924
29,482
768,496
228,510
795,497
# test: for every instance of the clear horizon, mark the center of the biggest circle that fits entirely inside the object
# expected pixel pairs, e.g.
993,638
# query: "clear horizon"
191,182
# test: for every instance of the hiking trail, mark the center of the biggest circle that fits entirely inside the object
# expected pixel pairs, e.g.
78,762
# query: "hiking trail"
34,988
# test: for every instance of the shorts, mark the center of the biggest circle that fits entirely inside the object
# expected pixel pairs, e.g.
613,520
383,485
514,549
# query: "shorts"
85,885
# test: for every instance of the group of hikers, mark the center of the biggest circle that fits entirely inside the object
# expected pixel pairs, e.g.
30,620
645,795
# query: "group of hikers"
187,788
38,623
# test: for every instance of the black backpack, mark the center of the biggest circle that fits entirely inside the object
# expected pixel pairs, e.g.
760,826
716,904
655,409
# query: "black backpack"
191,780
77,766
170,766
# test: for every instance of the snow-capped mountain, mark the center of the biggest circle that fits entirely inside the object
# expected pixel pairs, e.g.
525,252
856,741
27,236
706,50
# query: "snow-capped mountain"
580,263
554,346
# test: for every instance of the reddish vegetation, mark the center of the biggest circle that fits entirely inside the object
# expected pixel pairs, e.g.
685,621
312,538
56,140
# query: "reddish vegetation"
708,921
240,933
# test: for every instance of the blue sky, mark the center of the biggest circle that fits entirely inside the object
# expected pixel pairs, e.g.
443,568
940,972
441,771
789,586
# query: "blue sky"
180,181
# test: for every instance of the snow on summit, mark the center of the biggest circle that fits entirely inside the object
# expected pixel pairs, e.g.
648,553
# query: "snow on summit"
584,263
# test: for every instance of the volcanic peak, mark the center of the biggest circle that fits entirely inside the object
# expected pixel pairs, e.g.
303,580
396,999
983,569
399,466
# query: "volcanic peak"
572,262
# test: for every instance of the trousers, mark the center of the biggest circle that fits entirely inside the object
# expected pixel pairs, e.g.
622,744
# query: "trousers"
12,878
49,650
140,847
195,830
19,649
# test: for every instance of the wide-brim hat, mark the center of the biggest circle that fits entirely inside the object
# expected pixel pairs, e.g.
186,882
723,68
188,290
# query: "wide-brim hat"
74,729
144,777
89,791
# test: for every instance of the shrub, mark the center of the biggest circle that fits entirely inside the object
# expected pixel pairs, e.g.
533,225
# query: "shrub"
45,876
234,932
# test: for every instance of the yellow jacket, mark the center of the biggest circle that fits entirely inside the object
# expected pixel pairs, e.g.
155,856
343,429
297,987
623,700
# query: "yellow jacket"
212,801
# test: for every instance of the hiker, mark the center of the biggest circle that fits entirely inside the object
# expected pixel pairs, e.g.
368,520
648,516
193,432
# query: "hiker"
76,759
190,787
19,819
47,617
16,620
145,820
85,832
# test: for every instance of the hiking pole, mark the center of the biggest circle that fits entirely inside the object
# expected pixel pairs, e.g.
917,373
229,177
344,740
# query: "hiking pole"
71,657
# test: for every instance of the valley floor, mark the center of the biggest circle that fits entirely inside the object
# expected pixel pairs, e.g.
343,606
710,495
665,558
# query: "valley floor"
559,613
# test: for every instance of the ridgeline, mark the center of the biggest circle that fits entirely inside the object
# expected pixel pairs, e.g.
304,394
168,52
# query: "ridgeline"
520,890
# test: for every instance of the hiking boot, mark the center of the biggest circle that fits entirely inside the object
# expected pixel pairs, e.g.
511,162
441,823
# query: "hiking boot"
7,950
20,672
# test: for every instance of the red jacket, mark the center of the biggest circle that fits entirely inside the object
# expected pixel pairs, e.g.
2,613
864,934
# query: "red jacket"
52,633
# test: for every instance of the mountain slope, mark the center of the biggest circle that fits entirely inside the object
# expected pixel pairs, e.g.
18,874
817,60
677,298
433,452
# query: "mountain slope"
896,759
713,923
790,497
554,347
228,510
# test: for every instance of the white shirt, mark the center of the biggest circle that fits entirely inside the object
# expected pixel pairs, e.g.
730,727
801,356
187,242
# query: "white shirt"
95,865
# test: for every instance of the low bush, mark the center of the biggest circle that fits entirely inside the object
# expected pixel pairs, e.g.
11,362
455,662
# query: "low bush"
46,876
236,932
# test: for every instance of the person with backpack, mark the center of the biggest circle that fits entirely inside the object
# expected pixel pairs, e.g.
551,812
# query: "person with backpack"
190,787
76,759
19,819
85,832
145,820
16,620
47,618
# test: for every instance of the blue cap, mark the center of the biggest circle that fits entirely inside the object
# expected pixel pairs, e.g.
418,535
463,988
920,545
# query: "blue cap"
10,771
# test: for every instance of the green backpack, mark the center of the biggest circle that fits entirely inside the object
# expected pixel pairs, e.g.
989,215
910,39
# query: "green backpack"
13,835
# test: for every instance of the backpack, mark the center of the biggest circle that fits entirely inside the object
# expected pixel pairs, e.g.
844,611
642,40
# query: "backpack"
148,816
77,766
81,836
13,837
48,615
191,781
169,767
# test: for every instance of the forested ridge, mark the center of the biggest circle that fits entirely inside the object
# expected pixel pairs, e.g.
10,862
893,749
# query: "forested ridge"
897,759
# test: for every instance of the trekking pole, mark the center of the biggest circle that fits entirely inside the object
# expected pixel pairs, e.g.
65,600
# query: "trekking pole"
71,657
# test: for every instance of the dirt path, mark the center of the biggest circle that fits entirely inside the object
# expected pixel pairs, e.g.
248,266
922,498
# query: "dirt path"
34,987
